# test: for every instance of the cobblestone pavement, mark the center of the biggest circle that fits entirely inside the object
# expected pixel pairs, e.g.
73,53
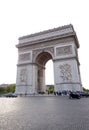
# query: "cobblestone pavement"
44,113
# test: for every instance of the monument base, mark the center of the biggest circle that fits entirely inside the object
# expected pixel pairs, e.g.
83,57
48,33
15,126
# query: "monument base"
24,90
68,87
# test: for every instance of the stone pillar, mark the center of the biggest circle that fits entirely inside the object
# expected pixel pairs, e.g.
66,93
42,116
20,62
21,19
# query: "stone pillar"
66,76
66,68
41,79
26,79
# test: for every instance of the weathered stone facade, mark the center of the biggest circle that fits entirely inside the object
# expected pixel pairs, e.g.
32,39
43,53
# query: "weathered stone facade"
60,45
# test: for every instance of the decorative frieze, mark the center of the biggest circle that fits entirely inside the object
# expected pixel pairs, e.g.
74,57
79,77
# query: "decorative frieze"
46,35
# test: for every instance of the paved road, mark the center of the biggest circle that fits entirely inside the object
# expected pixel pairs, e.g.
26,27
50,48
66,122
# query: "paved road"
44,113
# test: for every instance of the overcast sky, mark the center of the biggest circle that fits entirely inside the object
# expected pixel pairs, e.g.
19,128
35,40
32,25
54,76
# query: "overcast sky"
23,17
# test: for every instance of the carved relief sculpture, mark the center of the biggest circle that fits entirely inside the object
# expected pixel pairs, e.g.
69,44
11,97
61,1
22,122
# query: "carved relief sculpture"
24,57
23,75
66,50
66,72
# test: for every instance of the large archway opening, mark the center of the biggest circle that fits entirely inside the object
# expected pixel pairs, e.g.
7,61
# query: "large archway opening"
41,61
49,73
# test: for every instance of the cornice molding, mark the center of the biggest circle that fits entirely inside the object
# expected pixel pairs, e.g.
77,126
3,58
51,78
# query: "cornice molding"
48,35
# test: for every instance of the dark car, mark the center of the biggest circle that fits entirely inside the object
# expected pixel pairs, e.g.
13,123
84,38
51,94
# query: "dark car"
84,94
74,95
10,95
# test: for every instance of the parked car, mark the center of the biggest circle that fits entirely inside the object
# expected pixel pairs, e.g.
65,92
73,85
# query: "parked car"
41,92
10,95
84,94
74,95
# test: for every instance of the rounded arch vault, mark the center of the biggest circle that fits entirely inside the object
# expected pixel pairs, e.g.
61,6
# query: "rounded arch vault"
40,61
60,45
42,58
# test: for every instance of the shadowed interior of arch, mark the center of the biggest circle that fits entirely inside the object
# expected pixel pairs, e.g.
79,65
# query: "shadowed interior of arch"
42,58
41,61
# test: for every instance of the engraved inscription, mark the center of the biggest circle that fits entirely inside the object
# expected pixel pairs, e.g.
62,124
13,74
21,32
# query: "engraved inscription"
64,50
24,57
65,71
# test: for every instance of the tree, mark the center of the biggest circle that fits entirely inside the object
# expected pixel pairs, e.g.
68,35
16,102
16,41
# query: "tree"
9,88
2,90
86,90
51,89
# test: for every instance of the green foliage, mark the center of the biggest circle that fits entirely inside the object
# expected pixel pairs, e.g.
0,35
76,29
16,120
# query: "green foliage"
2,90
86,90
51,89
9,88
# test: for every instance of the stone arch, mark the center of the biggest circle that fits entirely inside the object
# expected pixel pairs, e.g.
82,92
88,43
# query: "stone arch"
41,60
59,44
37,52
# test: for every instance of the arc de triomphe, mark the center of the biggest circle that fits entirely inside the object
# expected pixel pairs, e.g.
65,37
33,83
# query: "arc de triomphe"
59,44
